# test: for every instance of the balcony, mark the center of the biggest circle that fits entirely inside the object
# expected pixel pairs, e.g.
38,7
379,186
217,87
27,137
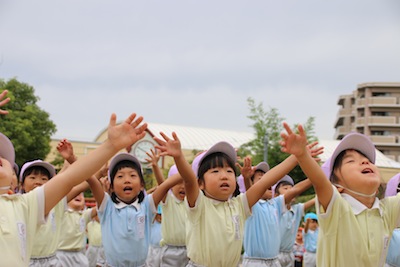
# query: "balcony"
377,121
378,102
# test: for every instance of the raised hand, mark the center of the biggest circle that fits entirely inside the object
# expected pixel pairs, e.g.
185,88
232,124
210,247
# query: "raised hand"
168,146
3,102
293,143
315,150
247,170
153,158
126,133
66,150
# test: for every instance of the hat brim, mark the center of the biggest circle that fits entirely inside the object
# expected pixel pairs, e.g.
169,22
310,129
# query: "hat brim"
121,157
262,166
354,141
7,149
392,185
220,147
37,163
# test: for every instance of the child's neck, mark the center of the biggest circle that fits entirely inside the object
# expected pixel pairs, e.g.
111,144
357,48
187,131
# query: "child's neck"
367,201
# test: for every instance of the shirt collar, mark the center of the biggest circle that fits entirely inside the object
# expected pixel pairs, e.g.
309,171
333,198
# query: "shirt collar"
122,204
177,200
358,207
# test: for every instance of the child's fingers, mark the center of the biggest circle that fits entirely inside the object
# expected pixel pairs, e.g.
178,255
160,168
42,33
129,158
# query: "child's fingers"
131,118
287,128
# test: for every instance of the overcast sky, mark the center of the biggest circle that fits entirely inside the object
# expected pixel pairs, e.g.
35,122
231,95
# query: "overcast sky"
195,63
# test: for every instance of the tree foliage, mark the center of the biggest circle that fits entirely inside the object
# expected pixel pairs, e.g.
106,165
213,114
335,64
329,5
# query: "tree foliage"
27,125
270,123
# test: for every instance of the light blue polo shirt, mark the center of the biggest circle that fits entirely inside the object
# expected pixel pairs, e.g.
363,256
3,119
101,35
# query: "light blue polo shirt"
125,231
290,222
261,231
393,256
310,240
155,234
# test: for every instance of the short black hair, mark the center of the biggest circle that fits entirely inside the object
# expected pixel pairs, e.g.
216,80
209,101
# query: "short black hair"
215,160
126,164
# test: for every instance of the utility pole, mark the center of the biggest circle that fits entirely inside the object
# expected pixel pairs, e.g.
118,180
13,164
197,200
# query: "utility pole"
266,140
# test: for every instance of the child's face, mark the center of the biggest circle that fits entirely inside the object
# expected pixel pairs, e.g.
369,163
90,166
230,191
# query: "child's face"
219,183
299,235
313,225
78,203
6,172
33,180
179,191
127,184
358,173
284,188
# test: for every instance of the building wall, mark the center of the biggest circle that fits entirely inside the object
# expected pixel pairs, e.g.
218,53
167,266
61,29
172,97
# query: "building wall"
372,109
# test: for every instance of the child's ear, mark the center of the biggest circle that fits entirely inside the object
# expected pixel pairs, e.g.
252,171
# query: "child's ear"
201,184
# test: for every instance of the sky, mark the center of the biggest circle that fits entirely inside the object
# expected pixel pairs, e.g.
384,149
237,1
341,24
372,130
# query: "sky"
195,63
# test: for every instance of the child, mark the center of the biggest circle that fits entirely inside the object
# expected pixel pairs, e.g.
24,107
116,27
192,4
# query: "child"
393,256
298,248
355,226
290,220
310,236
72,241
173,242
216,214
95,251
153,256
262,236
21,214
128,207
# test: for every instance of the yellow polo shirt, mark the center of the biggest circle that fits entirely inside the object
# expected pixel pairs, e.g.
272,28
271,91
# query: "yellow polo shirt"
19,219
94,233
353,235
73,235
214,230
46,239
173,226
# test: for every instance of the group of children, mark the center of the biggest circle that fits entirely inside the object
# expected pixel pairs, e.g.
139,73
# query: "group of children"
206,220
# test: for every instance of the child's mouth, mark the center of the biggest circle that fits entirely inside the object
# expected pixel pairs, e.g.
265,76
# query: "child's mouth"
225,185
127,189
368,170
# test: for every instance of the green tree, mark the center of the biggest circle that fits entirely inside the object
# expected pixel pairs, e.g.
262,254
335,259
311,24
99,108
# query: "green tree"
270,123
27,125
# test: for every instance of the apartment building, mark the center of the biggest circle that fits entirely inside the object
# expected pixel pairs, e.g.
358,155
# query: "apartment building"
372,109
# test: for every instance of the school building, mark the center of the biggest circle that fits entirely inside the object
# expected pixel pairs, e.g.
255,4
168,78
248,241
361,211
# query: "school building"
194,139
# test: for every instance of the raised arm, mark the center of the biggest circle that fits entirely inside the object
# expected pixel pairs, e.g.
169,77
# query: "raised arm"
119,136
296,144
161,190
296,190
269,179
172,147
152,159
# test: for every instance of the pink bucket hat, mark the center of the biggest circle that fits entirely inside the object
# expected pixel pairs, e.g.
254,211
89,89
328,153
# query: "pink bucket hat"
285,178
37,163
262,166
223,147
7,149
121,157
356,141
173,170
392,185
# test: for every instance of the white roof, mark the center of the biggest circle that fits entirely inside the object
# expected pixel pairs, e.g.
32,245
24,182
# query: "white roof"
201,138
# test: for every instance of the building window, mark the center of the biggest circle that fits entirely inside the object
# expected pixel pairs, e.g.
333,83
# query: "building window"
380,114
379,94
